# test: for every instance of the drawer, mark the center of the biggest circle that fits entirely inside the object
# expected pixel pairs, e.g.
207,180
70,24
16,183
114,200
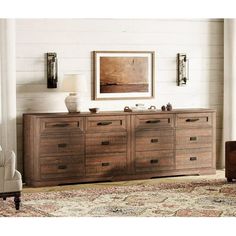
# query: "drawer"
194,120
72,124
106,123
194,158
193,138
59,167
106,164
154,121
154,140
154,161
61,145
106,143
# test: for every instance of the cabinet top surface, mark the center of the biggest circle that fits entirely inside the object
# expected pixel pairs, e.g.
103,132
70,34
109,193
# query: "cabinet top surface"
104,113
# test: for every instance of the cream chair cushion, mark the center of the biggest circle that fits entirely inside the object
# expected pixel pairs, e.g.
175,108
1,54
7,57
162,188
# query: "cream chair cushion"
10,178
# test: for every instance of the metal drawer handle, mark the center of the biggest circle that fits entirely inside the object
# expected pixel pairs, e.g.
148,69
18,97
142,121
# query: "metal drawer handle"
192,120
154,161
193,138
104,123
153,121
193,158
62,145
61,125
106,164
154,140
105,143
62,167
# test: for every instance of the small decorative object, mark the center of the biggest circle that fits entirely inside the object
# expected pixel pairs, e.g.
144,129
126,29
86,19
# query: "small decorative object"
139,107
163,108
94,110
74,84
123,74
152,108
52,70
168,107
127,109
183,69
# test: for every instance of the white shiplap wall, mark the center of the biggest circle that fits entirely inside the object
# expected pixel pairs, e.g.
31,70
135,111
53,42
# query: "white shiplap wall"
75,39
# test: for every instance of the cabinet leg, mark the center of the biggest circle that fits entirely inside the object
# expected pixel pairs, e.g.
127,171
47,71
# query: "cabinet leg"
229,179
17,202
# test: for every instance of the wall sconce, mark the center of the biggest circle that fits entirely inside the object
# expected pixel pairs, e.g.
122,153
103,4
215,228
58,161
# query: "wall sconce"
52,70
183,69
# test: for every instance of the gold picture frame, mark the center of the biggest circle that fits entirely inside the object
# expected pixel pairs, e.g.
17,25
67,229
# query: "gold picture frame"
123,74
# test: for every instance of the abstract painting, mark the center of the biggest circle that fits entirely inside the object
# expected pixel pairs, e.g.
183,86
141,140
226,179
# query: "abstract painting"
123,75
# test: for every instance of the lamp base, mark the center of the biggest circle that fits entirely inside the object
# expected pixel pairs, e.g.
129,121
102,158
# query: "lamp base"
72,102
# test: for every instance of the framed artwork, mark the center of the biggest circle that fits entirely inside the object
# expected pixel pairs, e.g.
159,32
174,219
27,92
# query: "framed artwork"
123,74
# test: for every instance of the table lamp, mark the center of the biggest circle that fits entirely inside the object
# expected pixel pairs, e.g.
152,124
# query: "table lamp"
75,84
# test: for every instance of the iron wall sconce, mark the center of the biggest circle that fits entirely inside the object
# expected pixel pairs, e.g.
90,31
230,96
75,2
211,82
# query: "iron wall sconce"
182,69
52,70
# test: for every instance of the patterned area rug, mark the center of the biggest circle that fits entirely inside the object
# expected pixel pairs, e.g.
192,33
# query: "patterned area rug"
210,198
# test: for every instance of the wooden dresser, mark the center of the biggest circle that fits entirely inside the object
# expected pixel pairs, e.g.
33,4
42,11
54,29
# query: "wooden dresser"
62,148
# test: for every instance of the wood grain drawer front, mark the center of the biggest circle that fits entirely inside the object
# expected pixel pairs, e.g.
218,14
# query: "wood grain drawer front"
106,143
194,158
68,166
72,124
154,121
194,120
61,145
193,138
154,140
106,123
154,161
106,164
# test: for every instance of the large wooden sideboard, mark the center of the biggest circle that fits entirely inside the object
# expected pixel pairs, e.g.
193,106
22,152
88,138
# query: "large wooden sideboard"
62,148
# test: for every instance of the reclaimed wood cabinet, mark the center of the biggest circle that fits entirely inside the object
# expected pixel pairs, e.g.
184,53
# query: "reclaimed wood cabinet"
62,148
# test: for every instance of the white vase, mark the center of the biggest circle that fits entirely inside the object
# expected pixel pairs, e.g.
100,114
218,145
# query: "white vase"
73,102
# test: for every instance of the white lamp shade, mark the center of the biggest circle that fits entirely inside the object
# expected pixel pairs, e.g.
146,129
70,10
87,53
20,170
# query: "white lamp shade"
74,83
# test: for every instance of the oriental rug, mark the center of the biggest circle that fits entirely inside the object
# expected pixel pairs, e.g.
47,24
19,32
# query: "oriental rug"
197,198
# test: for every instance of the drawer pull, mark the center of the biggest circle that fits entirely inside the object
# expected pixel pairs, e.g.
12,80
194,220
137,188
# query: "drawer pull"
192,120
153,121
61,125
62,145
193,158
155,161
104,123
106,164
154,140
193,138
105,143
62,167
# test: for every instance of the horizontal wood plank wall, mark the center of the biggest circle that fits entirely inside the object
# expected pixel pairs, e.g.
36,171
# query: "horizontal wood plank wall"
74,39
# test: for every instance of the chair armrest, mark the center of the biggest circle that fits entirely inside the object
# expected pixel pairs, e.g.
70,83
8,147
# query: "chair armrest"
10,165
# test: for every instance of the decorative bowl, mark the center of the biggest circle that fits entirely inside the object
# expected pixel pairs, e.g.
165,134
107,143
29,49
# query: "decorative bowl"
94,110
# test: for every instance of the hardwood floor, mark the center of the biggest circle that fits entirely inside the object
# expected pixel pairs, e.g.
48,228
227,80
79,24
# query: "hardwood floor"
220,174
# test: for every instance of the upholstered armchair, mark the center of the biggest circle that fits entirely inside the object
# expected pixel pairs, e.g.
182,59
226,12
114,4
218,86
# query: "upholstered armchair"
10,178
